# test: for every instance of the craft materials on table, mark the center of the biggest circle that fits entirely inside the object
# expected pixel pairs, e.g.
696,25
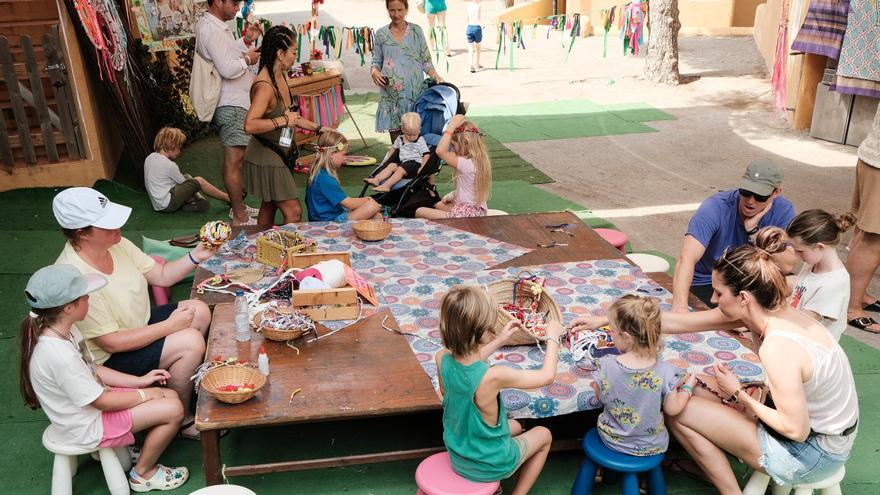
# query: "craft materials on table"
578,289
591,344
276,246
523,299
279,322
214,234
419,258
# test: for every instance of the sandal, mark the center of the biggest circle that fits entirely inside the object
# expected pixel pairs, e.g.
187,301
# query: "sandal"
873,307
198,436
863,322
165,479
187,241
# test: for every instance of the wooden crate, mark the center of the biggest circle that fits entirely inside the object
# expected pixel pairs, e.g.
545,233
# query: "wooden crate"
335,304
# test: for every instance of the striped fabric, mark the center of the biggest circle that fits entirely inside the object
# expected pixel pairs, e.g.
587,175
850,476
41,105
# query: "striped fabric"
823,28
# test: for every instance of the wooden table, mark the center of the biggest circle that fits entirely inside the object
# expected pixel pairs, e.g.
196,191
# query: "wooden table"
364,371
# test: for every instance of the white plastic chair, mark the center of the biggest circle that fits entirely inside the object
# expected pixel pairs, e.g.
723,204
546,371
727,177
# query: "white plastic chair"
114,462
758,482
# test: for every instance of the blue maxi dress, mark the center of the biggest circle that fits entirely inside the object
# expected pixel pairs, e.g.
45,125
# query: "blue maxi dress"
405,65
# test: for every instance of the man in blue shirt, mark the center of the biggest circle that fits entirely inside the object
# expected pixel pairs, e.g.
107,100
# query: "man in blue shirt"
724,221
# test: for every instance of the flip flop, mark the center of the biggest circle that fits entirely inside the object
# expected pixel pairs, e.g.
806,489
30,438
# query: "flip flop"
873,307
863,322
198,436
187,241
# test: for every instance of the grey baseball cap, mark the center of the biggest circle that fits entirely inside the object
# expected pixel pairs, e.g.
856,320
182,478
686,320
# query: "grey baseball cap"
57,285
761,177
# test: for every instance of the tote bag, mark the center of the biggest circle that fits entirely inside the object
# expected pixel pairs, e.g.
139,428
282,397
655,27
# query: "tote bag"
204,87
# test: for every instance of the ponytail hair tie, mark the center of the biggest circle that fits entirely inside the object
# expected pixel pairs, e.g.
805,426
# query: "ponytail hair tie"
33,315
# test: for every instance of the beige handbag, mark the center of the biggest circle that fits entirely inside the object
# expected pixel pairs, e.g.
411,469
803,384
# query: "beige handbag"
204,87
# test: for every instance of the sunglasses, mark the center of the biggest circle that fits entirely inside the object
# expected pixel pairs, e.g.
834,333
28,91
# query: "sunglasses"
749,194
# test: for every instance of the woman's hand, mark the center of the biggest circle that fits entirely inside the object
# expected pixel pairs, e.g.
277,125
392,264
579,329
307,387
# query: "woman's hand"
378,78
156,376
587,323
202,252
728,382
292,118
181,318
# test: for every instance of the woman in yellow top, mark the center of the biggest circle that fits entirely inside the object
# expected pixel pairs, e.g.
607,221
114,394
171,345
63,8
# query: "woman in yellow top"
121,329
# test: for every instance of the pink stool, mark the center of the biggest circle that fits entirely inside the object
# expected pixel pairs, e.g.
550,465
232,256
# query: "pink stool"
160,294
614,237
435,476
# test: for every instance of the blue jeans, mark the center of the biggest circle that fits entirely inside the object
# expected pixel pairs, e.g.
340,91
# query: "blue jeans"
789,462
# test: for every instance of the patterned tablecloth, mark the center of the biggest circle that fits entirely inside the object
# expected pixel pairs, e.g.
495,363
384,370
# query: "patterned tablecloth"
420,260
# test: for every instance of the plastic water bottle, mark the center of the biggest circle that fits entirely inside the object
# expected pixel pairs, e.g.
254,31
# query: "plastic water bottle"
263,361
286,138
242,321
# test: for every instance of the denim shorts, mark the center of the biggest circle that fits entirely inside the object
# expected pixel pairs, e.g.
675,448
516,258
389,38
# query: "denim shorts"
789,462
474,33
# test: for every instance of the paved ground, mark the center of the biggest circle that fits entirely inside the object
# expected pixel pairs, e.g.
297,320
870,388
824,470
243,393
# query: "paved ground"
648,184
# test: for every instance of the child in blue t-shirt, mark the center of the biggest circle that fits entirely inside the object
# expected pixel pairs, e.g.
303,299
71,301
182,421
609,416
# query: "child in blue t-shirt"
325,198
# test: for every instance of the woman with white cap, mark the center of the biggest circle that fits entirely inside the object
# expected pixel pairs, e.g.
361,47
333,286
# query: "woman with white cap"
122,331
59,375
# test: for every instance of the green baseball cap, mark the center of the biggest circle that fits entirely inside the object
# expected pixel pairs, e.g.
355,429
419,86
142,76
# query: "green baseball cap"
761,177
57,285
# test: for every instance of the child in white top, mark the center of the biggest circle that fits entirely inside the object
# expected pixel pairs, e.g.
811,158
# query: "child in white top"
413,152
79,397
474,33
473,173
821,288
169,190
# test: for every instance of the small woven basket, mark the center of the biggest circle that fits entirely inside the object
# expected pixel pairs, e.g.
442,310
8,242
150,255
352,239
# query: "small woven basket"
232,375
502,292
372,230
273,253
278,334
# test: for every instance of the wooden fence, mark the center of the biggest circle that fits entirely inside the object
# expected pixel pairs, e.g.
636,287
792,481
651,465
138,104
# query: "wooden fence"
36,128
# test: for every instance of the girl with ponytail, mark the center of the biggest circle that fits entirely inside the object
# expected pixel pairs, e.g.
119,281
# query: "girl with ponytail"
809,434
821,288
637,387
269,160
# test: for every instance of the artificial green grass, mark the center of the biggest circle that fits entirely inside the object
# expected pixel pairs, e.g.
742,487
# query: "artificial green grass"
564,119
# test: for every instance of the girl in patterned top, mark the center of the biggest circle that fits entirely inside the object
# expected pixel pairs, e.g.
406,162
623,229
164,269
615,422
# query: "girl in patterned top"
637,387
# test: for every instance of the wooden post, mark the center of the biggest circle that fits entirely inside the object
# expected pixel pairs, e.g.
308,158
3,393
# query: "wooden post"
39,99
21,121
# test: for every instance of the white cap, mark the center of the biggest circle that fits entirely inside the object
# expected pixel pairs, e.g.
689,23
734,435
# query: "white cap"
81,207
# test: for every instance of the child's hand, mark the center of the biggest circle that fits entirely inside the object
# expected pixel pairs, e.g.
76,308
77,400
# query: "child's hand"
156,376
728,382
690,379
553,330
456,121
587,323
509,329
202,252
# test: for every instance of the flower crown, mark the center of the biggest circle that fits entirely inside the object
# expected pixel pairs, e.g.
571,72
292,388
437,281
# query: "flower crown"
336,147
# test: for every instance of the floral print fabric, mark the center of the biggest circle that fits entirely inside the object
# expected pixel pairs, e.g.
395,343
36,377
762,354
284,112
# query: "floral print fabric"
404,65
632,422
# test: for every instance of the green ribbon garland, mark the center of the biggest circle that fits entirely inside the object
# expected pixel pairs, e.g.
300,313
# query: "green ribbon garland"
500,44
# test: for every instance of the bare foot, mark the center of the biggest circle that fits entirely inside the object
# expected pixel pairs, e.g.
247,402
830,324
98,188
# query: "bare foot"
372,181
382,188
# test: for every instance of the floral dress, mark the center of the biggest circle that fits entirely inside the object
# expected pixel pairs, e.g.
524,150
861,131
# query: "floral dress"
405,65
632,422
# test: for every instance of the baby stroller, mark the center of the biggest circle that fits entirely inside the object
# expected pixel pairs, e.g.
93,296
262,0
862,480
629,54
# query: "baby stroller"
436,105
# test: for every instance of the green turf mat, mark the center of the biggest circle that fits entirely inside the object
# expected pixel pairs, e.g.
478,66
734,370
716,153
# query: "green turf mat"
564,119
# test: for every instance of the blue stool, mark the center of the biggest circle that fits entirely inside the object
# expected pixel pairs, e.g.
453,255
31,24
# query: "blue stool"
627,465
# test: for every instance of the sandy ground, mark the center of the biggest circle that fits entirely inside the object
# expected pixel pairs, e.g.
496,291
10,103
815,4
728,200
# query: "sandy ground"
648,184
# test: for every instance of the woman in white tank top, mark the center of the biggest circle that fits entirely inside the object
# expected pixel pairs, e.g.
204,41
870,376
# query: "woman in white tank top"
810,433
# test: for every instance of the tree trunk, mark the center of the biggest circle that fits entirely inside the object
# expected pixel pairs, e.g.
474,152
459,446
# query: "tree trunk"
661,64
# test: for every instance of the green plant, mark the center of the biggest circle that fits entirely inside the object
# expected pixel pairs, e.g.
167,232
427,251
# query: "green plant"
167,89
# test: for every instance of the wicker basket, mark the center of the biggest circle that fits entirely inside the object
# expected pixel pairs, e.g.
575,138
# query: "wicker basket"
273,254
232,375
502,292
278,334
372,230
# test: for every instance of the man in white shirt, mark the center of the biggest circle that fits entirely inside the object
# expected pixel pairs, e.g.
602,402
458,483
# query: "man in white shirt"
232,58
